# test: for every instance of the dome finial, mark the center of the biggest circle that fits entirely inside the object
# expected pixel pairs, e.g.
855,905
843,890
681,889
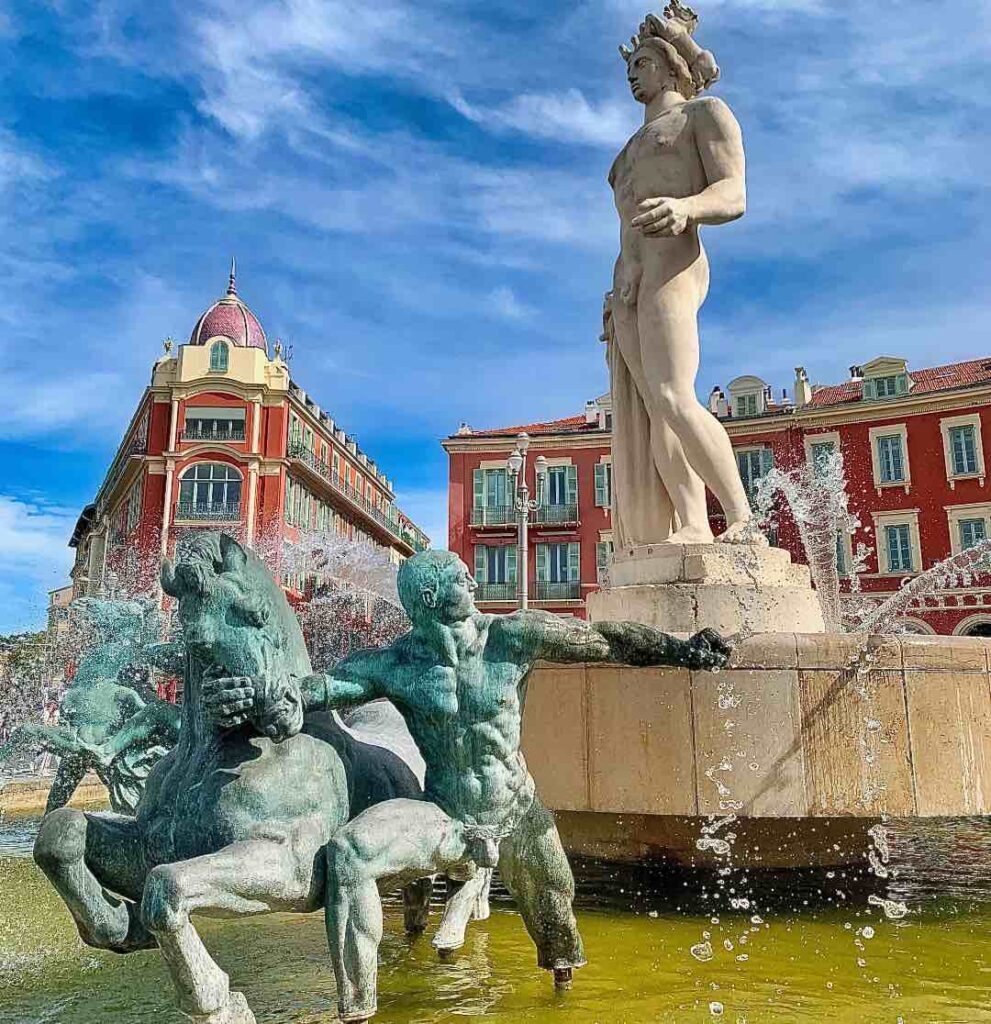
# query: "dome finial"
232,286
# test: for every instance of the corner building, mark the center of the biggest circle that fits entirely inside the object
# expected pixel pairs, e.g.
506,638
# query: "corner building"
223,438
915,450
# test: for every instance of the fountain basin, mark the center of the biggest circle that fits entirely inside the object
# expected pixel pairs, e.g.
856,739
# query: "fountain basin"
814,736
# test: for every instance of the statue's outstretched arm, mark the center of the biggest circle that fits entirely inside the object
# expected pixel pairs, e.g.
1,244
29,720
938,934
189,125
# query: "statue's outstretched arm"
555,638
57,739
159,720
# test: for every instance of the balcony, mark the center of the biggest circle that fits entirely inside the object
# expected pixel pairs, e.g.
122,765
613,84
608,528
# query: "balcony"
496,592
557,591
402,533
555,515
194,434
215,511
493,515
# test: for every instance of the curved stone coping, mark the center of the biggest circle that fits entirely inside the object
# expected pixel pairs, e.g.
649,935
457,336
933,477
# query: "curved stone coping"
824,725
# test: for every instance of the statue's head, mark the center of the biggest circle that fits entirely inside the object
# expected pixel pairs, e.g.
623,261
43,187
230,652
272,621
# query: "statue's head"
663,58
236,620
436,585
117,621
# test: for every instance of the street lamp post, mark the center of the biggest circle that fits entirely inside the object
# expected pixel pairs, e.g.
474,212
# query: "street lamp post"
524,505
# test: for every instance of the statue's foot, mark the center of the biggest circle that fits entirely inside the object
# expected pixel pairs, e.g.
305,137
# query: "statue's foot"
234,1011
563,978
691,535
744,531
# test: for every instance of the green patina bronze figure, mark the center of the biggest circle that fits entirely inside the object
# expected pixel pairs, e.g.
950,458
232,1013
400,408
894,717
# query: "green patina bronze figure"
101,701
459,678
235,818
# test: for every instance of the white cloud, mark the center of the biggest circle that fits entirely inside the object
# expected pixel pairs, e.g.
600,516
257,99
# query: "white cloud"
34,558
502,301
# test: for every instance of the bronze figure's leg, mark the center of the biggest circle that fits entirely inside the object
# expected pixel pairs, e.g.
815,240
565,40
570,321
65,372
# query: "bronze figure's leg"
535,869
399,840
68,776
93,860
251,877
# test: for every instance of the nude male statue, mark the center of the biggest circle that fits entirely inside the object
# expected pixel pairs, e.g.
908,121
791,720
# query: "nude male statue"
682,169
459,678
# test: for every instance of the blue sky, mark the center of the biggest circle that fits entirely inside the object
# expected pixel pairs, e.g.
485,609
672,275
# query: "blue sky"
416,196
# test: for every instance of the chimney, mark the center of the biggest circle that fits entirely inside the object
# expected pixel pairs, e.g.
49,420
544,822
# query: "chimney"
803,390
856,373
591,412
714,400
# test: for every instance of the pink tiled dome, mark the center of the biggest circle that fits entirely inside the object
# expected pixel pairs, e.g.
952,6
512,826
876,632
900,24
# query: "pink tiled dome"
230,318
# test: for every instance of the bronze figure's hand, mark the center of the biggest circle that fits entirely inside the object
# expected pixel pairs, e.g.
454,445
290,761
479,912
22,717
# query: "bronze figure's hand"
708,650
227,701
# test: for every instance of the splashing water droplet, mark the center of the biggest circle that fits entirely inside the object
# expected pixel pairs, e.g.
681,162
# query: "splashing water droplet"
716,1008
702,951
893,909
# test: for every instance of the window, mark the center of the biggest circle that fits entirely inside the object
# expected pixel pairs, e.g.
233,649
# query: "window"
210,488
890,459
558,563
754,464
841,559
746,405
819,454
562,485
886,387
972,532
219,356
603,484
490,488
898,545
134,507
213,423
603,558
495,565
963,450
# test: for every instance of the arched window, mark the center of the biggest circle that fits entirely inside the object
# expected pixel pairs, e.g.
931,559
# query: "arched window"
210,490
218,355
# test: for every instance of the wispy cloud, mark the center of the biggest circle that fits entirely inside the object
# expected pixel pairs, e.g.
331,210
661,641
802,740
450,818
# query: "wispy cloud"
503,302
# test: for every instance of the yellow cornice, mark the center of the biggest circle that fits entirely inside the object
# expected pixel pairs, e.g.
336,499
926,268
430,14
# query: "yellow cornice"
488,443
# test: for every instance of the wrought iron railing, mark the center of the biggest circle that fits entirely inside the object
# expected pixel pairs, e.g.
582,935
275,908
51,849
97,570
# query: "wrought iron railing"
322,469
557,591
215,510
493,515
195,434
496,592
548,515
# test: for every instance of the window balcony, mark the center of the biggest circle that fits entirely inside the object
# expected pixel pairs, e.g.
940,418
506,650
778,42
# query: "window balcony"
493,515
496,592
557,591
215,511
195,434
555,515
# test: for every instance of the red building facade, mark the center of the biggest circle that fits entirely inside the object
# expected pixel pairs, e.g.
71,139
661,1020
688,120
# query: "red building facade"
914,446
223,438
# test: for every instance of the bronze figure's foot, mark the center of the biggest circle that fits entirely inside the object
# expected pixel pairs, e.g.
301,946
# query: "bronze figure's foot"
563,978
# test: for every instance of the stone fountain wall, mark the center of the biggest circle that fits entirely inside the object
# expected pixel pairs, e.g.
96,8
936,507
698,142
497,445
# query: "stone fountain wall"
828,733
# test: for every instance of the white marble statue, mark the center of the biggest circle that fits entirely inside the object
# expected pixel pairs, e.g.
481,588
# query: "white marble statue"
683,168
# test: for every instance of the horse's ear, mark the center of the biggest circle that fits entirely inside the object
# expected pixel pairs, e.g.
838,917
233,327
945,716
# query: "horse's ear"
169,582
233,558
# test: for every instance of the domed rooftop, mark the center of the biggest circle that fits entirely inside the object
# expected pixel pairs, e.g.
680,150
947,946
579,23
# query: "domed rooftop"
230,318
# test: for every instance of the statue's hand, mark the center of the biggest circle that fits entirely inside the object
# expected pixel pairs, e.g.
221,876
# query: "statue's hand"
662,217
98,753
708,650
227,701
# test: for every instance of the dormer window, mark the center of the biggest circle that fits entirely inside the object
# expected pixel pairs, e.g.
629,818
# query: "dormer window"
884,378
746,405
219,356
886,387
748,396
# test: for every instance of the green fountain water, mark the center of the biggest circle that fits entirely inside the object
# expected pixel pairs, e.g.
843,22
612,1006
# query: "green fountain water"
813,955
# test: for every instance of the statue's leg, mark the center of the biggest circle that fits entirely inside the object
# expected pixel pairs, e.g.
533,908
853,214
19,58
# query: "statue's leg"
535,869
396,839
649,451
667,317
252,877
416,905
23,740
70,773
93,860
468,902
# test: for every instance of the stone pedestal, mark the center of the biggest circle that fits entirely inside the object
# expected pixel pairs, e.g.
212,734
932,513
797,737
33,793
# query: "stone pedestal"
732,588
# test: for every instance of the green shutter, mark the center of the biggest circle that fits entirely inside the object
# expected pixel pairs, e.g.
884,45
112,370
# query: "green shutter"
479,482
901,384
870,391
543,563
574,562
511,564
600,485
480,563
572,484
766,461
